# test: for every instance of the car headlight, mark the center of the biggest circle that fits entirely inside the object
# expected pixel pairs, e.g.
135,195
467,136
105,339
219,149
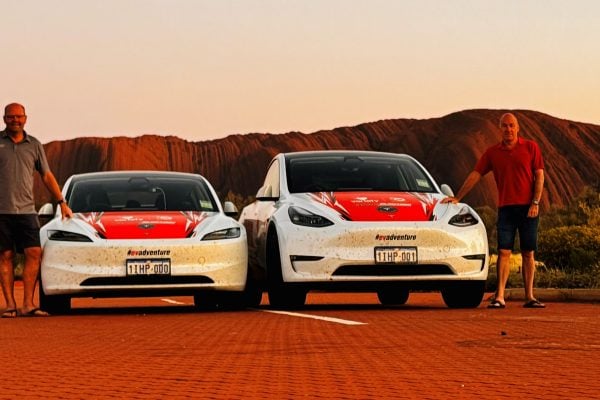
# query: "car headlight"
229,233
464,218
66,236
300,216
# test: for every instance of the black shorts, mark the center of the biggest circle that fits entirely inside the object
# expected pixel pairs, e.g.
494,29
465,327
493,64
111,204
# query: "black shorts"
512,219
19,231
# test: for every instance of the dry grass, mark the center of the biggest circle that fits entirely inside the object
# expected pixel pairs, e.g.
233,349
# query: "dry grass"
545,277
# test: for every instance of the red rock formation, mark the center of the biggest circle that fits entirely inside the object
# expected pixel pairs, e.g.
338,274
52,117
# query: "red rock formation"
447,146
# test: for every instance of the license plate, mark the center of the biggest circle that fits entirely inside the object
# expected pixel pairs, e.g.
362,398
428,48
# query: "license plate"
395,255
161,266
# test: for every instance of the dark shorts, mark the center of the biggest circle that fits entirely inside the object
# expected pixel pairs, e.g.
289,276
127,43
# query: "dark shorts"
512,219
19,231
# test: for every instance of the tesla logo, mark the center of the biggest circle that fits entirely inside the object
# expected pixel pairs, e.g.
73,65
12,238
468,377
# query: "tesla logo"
146,225
387,209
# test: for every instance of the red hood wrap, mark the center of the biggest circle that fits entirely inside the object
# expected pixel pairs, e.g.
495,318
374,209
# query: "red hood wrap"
379,206
144,225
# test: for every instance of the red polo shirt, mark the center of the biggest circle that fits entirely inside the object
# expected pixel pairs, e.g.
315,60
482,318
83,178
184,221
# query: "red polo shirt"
513,170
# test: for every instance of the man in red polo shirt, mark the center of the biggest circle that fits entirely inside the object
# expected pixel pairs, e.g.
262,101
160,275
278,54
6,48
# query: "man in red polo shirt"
518,169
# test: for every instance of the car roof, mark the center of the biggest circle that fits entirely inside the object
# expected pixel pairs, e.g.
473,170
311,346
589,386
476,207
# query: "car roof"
146,174
342,153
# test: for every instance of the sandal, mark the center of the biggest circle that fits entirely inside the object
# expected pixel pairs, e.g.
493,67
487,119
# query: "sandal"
9,313
534,304
36,312
496,304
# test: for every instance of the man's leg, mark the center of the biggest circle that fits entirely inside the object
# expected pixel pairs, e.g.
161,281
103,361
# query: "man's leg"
528,273
7,277
31,271
528,235
503,271
507,230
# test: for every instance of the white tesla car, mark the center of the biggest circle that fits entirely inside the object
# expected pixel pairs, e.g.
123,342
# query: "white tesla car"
361,221
141,233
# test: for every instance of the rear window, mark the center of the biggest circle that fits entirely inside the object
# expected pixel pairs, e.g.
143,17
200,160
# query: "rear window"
351,173
140,194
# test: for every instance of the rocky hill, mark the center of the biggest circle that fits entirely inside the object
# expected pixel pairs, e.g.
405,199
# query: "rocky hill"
448,146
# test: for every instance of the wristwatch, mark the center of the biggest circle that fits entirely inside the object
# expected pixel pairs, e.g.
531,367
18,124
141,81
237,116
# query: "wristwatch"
535,202
60,201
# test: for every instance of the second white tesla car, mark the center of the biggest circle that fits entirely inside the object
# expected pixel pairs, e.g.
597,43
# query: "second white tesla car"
368,221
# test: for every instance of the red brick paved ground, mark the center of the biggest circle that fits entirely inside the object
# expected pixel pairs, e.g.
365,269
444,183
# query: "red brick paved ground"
419,351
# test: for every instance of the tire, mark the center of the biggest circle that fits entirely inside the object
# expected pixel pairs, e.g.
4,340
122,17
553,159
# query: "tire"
464,295
252,295
287,298
56,305
280,295
393,297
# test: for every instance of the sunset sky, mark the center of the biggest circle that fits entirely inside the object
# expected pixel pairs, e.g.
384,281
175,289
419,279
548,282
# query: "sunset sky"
202,70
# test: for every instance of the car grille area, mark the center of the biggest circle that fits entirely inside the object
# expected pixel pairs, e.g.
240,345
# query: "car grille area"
393,270
145,280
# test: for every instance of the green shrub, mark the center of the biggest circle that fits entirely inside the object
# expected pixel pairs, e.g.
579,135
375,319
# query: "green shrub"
570,247
556,278
548,278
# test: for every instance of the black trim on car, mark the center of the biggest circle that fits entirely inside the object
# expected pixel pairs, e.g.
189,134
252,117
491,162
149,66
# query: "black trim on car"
393,270
477,257
146,280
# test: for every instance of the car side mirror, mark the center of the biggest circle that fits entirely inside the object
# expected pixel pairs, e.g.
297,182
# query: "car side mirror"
46,211
447,190
230,209
45,214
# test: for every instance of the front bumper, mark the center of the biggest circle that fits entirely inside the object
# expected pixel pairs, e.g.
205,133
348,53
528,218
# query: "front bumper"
80,269
345,253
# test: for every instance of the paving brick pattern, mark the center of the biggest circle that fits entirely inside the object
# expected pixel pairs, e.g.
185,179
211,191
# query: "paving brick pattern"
146,349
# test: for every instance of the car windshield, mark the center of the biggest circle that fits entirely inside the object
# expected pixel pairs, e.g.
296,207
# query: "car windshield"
126,193
343,173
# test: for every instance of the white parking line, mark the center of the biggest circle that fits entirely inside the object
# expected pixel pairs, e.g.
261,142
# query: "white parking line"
328,319
173,301
291,314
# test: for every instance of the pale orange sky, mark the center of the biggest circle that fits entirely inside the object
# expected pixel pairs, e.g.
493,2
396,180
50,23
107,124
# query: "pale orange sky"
202,70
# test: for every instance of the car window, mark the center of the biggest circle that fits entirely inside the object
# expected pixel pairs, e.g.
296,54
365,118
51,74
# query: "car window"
352,173
140,194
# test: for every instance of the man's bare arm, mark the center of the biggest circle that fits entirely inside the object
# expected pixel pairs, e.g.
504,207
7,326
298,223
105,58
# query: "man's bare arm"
469,183
52,185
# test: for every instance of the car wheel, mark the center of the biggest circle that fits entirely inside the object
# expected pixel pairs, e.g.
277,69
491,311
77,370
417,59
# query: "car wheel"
287,298
464,295
280,294
59,304
252,295
391,297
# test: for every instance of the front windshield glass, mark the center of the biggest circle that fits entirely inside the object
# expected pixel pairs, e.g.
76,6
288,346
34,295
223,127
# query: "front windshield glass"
140,194
343,173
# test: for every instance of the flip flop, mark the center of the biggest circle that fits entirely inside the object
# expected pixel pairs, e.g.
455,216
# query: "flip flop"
36,312
534,304
9,313
496,304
